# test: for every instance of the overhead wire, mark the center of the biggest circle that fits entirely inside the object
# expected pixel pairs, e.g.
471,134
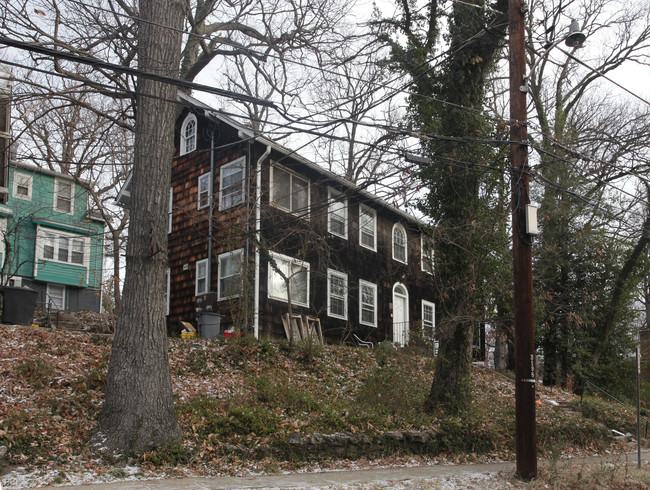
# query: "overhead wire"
388,128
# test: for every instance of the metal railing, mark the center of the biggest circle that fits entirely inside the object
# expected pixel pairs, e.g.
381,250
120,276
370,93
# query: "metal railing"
624,405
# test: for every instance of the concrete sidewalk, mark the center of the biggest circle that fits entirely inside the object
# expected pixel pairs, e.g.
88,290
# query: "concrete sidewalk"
487,475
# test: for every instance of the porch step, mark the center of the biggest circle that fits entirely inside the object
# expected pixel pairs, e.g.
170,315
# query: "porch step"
66,321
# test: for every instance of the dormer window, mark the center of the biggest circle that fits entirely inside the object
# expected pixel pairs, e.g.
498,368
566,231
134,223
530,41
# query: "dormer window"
188,134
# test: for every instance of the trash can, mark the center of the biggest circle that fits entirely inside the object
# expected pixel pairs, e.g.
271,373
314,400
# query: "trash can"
209,325
18,305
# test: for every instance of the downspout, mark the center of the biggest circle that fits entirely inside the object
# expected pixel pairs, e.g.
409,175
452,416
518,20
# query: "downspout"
258,225
211,211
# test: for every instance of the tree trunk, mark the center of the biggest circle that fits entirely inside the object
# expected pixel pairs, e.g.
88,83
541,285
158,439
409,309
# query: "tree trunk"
450,387
138,411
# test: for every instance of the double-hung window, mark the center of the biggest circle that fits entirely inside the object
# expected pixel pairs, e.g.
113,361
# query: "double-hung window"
426,246
399,243
201,284
367,303
231,184
429,323
337,221
285,271
204,191
167,290
367,227
56,296
170,210
64,196
22,188
69,249
188,134
337,294
77,253
230,274
64,249
289,192
48,246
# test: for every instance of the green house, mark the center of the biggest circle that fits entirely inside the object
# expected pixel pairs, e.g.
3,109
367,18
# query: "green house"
50,241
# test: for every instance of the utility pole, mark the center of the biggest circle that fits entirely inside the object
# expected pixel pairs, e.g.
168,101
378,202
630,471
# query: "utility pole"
526,435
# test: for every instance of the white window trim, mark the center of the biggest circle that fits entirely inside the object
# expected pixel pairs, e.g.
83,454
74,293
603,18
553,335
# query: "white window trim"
271,271
334,197
30,182
241,163
433,330
56,234
167,290
184,146
198,264
3,234
374,224
398,226
373,286
198,191
424,256
341,275
63,295
225,255
57,182
170,210
272,196
433,308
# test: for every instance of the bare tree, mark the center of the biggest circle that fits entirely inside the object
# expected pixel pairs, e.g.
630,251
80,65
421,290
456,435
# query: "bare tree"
589,150
138,411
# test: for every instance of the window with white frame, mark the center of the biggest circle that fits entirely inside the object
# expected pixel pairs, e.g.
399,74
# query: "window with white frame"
201,284
230,274
231,184
64,196
56,296
167,290
337,294
170,209
337,221
367,303
429,323
66,248
188,134
399,243
3,236
296,272
204,189
426,247
289,192
22,186
367,227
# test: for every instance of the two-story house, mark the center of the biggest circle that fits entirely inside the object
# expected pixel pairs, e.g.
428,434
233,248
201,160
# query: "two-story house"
49,241
255,227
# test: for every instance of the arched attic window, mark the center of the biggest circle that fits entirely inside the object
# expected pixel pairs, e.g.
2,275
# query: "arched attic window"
188,134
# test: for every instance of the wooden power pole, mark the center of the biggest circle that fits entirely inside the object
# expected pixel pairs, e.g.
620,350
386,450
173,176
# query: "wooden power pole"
526,438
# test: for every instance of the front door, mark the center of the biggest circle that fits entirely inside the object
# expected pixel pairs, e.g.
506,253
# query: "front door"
400,316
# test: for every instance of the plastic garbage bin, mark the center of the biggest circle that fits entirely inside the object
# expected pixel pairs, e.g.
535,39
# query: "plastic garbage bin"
209,325
18,305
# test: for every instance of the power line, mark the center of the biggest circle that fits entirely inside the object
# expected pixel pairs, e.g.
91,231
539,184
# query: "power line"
96,63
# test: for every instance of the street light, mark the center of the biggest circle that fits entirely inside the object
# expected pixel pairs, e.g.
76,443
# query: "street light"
525,431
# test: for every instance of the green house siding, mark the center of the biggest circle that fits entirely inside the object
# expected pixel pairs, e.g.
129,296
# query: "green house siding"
48,230
71,275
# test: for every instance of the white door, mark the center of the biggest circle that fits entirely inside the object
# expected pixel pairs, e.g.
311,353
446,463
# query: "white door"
400,316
